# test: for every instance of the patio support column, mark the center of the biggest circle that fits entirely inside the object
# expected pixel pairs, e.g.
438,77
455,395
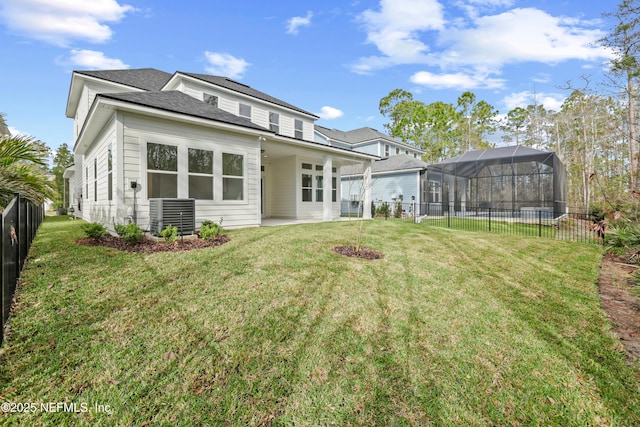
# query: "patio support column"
327,186
366,183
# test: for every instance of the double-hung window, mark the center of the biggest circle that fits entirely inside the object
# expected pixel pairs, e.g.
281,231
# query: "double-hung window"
307,182
200,174
313,183
109,173
319,184
298,129
244,110
274,122
386,150
162,171
232,176
95,180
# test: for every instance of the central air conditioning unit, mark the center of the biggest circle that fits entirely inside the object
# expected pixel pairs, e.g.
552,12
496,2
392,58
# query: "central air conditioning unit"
180,213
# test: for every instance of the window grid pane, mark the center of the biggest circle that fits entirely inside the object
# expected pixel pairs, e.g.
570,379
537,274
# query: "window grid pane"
319,189
162,157
307,187
232,164
162,185
232,189
201,187
200,161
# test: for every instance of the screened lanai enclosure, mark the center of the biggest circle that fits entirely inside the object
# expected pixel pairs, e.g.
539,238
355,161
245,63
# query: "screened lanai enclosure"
512,180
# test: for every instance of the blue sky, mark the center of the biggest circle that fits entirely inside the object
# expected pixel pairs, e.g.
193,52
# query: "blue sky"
333,58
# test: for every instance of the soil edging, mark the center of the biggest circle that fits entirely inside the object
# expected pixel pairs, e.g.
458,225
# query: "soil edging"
623,309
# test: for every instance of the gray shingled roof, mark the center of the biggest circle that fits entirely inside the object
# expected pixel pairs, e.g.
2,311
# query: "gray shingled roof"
140,78
244,89
178,102
357,136
493,153
398,163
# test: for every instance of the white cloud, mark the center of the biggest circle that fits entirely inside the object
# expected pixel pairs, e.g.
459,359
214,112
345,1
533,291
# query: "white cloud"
550,101
16,132
461,81
470,51
329,113
522,35
92,60
226,65
394,30
60,21
296,22
542,78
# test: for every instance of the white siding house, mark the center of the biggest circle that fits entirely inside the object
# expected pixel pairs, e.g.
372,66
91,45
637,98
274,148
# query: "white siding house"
241,154
399,178
366,140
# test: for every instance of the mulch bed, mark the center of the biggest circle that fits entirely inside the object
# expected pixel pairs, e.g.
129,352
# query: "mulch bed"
149,246
364,253
622,307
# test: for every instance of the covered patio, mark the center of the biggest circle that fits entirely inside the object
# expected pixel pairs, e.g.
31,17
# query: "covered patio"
300,180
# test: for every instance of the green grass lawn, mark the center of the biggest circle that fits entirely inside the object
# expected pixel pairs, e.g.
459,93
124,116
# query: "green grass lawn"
451,328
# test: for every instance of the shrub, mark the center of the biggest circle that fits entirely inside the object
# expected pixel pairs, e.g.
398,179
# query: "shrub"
95,230
373,210
130,233
210,230
399,210
622,237
384,210
169,234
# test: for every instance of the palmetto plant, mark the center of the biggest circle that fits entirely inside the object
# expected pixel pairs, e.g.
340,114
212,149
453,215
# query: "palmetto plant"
21,161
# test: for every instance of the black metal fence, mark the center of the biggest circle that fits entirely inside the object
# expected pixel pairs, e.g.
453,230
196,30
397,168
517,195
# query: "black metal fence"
533,221
19,224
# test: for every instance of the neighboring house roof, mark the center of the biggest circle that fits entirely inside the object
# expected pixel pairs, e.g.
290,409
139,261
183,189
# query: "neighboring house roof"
227,83
178,102
397,163
360,136
140,78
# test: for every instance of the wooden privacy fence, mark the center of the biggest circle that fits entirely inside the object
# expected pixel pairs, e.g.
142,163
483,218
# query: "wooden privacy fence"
20,222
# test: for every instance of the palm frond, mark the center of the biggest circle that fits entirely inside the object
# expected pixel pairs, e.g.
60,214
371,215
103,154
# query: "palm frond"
14,149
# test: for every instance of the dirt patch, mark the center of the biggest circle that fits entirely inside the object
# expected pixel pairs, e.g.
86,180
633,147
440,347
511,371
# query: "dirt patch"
149,246
623,308
352,251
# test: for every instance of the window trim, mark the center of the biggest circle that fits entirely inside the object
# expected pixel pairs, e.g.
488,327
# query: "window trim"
298,133
316,171
146,170
110,172
202,174
240,105
274,125
183,168
95,179
244,178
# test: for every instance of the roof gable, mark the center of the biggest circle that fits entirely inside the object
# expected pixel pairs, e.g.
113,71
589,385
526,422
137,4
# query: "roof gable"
243,89
361,135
